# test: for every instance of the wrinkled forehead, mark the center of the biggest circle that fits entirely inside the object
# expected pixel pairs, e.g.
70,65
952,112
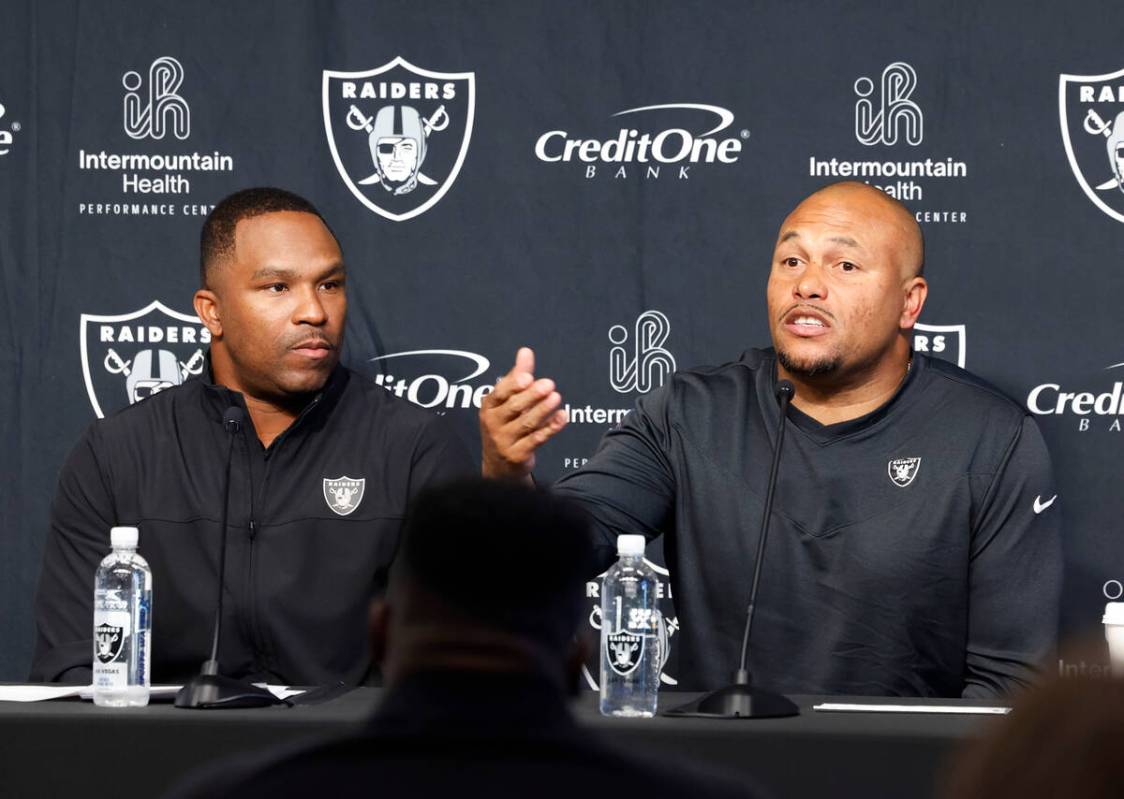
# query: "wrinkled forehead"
855,219
834,219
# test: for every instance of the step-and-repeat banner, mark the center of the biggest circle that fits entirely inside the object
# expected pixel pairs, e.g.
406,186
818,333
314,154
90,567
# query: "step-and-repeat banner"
601,181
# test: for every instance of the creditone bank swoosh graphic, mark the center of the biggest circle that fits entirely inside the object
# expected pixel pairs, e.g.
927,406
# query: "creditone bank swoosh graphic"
1040,506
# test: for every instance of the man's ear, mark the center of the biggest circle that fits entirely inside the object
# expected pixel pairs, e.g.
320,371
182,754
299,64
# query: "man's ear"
916,290
580,650
206,304
378,630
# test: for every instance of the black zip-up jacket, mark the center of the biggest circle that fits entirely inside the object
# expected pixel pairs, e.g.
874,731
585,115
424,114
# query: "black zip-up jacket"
305,555
914,551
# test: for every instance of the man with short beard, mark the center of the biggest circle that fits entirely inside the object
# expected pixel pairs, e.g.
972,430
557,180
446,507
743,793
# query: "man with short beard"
914,547
323,468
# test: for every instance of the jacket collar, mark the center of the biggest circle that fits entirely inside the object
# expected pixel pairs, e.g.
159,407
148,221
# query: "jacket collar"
217,398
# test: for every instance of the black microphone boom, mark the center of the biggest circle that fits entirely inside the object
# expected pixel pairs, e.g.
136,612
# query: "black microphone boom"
741,700
209,689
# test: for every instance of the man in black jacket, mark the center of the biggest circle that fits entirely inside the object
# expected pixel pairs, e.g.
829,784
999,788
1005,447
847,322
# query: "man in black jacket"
476,638
914,547
323,470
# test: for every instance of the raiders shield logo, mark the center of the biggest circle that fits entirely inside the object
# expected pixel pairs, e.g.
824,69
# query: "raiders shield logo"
624,651
107,642
948,342
1091,108
343,494
398,133
903,470
128,357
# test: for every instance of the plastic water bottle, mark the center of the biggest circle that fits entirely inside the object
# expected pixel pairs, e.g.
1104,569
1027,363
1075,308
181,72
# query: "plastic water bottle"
122,624
631,654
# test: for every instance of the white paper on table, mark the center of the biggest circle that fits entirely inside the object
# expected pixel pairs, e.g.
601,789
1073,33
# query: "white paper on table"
280,691
36,693
160,691
43,693
154,692
845,707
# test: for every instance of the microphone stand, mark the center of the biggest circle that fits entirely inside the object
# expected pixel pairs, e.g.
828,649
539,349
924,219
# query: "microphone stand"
209,689
741,700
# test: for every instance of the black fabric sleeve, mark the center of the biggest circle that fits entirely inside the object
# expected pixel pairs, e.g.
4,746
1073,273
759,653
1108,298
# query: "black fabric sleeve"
628,486
1015,572
77,541
439,456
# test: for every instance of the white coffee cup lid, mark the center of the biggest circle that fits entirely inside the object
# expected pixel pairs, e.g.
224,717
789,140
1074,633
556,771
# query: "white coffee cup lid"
1113,613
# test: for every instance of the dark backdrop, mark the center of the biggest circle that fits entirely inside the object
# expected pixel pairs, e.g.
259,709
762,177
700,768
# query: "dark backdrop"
965,113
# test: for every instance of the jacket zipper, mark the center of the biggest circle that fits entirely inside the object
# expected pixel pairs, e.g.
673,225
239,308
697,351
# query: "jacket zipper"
263,653
262,657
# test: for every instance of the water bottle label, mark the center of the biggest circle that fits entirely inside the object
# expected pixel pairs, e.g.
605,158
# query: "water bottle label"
109,636
624,651
111,676
626,637
144,626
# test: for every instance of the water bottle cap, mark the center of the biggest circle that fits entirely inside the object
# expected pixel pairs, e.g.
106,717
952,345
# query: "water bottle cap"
630,544
1113,613
124,537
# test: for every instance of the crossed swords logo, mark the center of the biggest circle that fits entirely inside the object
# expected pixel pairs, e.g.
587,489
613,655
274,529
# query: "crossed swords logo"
1097,126
436,123
116,366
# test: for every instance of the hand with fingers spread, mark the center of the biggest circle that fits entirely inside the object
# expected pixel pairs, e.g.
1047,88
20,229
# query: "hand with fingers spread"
518,417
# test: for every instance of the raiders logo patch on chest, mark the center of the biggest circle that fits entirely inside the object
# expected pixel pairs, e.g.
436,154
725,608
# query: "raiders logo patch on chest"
343,494
903,470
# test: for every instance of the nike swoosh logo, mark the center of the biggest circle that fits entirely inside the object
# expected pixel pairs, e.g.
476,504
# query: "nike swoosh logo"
1040,506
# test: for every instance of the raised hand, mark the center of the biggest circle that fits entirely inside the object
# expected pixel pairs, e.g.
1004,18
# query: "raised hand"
518,417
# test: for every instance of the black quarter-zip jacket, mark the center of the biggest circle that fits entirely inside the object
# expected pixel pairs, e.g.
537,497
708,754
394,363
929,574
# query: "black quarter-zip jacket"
305,555
913,551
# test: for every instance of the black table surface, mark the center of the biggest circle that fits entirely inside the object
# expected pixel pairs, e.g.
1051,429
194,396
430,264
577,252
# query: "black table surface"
73,748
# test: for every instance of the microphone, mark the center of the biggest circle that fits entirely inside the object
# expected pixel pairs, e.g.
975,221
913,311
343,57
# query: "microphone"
209,689
741,700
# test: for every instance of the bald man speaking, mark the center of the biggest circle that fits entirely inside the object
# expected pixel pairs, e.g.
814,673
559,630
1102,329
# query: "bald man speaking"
914,547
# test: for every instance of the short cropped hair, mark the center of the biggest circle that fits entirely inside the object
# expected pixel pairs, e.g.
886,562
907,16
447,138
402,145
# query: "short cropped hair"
217,238
510,557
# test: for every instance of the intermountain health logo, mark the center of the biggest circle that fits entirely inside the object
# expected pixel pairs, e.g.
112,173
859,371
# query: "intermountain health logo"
638,362
128,357
160,175
161,110
398,133
643,363
650,142
896,114
1091,110
890,125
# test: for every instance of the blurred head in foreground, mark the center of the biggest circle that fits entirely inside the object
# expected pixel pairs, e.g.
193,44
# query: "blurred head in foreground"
1063,739
490,578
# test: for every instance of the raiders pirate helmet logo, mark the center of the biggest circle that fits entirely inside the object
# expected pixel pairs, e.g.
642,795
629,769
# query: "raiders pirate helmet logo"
343,494
625,651
107,642
903,470
128,357
398,134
